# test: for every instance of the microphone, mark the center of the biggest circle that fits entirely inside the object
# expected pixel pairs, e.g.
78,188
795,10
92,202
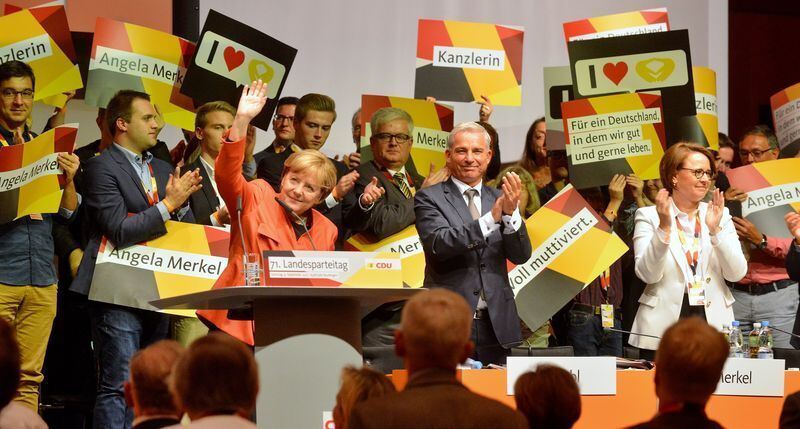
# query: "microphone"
299,220
241,228
621,331
785,332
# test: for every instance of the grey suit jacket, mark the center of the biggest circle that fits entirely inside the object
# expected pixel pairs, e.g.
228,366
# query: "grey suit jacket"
391,214
113,190
459,258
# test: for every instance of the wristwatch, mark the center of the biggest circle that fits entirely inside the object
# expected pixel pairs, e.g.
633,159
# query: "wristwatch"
763,242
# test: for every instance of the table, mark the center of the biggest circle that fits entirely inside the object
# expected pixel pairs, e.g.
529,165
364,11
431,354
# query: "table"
636,400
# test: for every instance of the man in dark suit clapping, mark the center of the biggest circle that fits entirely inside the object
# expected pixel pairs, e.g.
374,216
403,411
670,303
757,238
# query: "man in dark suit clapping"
468,231
129,196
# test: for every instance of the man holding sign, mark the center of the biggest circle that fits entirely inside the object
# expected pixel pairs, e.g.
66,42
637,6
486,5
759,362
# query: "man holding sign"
27,275
765,292
468,231
129,195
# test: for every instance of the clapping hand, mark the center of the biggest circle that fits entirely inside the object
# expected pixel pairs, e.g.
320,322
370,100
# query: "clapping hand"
372,193
714,213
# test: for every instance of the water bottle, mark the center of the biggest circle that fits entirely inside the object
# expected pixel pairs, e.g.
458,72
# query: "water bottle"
752,341
736,340
765,341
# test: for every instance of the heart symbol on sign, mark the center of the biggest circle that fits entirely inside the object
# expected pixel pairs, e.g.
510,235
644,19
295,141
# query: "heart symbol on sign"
615,72
233,58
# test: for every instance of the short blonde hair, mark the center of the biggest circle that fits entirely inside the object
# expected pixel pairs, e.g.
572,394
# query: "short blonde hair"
358,385
314,161
437,324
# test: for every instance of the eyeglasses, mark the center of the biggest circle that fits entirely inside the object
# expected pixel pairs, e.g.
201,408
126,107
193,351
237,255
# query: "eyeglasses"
755,152
10,94
280,118
698,173
399,138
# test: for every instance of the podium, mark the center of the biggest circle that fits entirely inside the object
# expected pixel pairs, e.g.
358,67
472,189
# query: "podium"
304,336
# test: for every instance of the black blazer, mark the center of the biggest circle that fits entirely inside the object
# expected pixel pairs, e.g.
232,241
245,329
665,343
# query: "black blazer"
391,214
459,258
112,191
205,201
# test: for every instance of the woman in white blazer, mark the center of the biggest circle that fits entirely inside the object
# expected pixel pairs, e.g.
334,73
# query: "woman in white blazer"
684,249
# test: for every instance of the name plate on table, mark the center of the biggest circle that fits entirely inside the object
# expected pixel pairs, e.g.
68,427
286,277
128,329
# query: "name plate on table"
751,377
332,269
595,375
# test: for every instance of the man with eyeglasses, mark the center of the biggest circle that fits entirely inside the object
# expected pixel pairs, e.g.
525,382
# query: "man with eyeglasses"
385,205
765,292
27,275
283,126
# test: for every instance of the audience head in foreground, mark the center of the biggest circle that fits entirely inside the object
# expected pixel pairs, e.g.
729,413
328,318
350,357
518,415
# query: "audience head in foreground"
147,390
358,385
433,338
689,363
215,382
549,397
434,331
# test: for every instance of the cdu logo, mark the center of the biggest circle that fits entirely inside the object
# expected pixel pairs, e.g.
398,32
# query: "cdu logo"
238,63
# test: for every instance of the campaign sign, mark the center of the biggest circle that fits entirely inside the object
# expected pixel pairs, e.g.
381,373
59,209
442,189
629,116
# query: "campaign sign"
572,245
129,56
773,190
460,61
615,134
188,258
557,89
786,117
31,182
41,39
621,24
230,55
595,375
648,62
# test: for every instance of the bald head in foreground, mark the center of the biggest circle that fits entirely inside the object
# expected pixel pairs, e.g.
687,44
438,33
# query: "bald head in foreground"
434,337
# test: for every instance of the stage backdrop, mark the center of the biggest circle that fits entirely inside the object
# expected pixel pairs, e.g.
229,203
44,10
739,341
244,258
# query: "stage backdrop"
346,49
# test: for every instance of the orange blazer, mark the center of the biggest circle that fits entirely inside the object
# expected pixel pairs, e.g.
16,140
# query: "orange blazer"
265,226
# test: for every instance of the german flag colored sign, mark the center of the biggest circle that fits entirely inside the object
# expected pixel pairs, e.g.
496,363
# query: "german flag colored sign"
460,61
432,125
41,39
572,245
786,116
128,56
30,180
773,189
188,258
405,243
615,134
621,24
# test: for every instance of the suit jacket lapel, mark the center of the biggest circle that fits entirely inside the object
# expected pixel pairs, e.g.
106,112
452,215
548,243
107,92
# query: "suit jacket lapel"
126,166
455,199
487,199
208,187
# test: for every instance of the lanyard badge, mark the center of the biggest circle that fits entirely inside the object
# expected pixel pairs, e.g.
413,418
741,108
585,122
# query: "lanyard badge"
694,280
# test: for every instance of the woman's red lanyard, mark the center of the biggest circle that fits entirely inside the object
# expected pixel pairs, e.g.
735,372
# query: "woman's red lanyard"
152,195
692,252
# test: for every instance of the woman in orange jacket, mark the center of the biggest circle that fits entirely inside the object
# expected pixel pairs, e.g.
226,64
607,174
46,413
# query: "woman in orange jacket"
308,177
